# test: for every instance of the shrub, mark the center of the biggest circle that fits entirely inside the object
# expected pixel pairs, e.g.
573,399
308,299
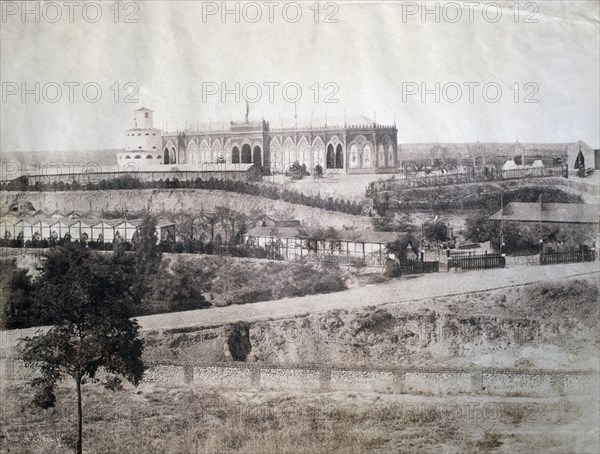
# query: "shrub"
238,341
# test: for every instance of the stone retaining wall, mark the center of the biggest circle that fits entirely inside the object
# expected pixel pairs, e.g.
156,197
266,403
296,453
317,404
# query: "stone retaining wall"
315,378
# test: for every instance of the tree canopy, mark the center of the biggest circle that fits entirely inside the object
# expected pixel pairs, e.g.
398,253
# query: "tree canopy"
88,297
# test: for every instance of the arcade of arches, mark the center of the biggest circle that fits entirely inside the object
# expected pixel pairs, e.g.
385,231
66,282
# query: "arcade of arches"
358,152
247,156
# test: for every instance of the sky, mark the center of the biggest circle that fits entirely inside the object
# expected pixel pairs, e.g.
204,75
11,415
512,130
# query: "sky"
355,62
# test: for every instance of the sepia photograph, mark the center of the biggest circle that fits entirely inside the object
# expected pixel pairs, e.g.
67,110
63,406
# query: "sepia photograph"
300,227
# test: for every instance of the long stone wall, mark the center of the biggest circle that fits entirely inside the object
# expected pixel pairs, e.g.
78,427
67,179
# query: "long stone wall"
317,378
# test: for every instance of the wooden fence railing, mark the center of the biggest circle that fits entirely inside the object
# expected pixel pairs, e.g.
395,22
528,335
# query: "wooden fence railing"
556,257
478,262
418,267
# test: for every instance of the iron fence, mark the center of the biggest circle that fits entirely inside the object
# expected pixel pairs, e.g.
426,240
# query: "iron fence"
478,262
570,256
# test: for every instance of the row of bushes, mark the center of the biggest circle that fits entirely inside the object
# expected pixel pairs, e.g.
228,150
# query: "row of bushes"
242,187
190,247
52,242
471,197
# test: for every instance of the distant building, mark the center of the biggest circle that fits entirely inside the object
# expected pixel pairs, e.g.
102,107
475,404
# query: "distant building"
77,227
492,153
552,213
144,141
365,148
296,243
268,221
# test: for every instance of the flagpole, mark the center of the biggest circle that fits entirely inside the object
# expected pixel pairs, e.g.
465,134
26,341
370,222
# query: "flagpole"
540,227
502,224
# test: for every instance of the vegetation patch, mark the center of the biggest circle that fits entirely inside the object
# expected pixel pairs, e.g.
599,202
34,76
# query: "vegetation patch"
238,341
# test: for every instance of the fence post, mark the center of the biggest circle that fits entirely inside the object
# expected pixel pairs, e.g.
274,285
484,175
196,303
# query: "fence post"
477,381
399,381
255,377
325,379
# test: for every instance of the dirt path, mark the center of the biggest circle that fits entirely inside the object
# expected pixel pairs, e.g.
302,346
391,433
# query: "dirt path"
398,291
412,291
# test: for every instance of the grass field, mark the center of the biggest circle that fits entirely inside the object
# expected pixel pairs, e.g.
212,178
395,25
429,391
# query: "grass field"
151,419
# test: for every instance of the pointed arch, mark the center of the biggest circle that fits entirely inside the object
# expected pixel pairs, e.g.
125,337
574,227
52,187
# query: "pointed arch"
388,151
275,148
289,152
334,141
304,152
330,157
217,151
167,153
257,156
339,156
380,155
192,152
246,157
204,152
361,153
318,152
226,148
367,156
235,155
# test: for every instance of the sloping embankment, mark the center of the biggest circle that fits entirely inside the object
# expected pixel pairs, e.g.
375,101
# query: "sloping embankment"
175,200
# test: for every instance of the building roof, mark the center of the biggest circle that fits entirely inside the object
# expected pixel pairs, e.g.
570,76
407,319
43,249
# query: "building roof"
167,168
568,213
280,222
363,236
145,109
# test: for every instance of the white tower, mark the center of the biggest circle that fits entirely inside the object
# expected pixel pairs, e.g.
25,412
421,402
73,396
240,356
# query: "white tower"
144,142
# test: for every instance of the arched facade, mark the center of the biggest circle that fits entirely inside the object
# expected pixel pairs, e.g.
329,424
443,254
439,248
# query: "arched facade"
339,157
360,154
276,155
257,155
366,148
318,152
246,157
353,157
330,159
204,152
289,152
193,152
304,152
217,151
235,155
380,155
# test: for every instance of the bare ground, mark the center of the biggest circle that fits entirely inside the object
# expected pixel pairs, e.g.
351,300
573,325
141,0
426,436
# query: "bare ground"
415,292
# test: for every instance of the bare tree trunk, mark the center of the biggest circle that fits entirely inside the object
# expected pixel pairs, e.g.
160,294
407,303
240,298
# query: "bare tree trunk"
79,418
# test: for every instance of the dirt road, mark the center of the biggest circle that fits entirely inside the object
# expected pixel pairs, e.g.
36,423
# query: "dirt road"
407,290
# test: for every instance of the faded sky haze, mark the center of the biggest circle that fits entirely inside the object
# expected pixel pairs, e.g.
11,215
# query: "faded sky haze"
372,59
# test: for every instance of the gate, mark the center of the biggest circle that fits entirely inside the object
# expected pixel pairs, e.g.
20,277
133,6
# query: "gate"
478,262
418,267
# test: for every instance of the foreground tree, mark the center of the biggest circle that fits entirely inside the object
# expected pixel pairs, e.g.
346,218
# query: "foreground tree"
88,297
399,248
